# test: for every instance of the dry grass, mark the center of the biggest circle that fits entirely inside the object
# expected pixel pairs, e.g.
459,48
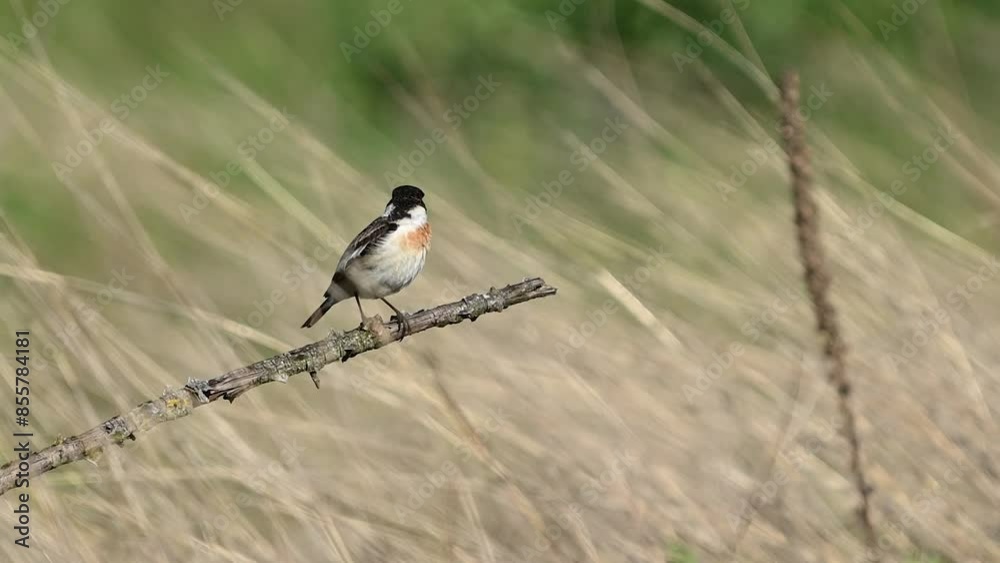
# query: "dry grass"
527,424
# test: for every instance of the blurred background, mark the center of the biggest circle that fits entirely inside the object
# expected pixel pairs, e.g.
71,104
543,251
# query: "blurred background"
178,179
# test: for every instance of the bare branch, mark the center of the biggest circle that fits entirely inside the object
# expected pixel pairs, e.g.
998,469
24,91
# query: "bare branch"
174,404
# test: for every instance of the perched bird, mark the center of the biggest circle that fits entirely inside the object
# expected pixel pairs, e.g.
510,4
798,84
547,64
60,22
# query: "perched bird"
384,258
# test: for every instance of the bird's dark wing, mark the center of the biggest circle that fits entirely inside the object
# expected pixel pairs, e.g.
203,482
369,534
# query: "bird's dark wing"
367,240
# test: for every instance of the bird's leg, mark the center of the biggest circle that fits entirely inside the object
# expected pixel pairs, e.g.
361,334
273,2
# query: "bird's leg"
370,323
403,322
358,301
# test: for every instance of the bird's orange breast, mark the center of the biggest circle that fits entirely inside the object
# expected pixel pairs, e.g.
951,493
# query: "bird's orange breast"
419,239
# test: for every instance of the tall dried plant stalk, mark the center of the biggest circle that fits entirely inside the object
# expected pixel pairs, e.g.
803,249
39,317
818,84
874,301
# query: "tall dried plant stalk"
817,279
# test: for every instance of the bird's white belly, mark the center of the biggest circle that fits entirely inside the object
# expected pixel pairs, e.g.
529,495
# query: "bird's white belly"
385,271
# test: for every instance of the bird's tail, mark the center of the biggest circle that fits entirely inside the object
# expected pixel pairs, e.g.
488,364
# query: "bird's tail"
318,313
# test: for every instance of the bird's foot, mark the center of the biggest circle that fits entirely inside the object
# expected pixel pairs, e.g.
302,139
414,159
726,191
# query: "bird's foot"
371,323
404,325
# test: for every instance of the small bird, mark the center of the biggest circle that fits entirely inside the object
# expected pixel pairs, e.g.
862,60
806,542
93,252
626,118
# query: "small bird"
384,258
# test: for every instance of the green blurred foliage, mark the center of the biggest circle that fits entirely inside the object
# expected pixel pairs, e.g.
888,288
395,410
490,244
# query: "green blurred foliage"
293,55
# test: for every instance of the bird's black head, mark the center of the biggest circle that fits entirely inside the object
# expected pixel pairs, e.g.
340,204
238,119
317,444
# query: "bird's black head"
407,194
406,200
